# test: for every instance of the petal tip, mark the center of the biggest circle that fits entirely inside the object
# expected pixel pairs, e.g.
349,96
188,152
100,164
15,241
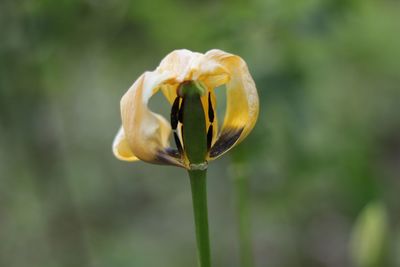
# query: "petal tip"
121,149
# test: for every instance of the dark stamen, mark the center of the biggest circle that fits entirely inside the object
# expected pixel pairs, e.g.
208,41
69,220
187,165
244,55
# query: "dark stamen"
210,109
174,113
178,143
209,137
180,113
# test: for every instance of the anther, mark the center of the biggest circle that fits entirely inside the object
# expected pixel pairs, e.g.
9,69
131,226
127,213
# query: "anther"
209,137
180,113
210,109
174,113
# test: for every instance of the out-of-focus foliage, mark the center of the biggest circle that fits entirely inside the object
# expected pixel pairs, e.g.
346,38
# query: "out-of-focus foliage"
326,144
369,235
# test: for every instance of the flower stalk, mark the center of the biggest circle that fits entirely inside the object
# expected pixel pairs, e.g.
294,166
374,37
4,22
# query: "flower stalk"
195,144
188,80
199,197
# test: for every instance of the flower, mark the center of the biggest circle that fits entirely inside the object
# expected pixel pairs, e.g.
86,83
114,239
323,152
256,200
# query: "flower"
145,135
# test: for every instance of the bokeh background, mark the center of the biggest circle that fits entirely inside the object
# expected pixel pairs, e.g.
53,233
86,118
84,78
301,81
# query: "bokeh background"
323,161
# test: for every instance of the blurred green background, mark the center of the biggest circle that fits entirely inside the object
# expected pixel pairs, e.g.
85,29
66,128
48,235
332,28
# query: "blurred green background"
323,161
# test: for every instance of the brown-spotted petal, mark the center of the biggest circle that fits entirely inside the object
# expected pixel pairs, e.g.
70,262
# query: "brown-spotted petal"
242,102
147,133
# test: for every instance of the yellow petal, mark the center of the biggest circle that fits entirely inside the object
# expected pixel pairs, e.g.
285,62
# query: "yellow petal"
179,65
170,91
121,147
147,133
242,102
184,65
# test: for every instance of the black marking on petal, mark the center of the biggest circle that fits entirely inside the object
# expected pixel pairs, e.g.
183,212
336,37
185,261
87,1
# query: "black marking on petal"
225,141
174,113
173,152
168,157
178,143
209,137
210,109
180,113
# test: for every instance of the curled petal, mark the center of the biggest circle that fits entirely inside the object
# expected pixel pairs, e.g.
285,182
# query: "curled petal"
184,65
121,147
147,133
242,102
180,64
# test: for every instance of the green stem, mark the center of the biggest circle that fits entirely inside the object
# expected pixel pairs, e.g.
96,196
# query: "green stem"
194,135
241,184
198,181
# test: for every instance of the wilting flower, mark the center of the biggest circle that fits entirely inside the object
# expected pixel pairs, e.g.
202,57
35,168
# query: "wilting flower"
145,135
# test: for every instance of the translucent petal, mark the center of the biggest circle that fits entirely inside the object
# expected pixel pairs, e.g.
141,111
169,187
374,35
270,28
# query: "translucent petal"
242,102
147,133
121,147
184,65
180,64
